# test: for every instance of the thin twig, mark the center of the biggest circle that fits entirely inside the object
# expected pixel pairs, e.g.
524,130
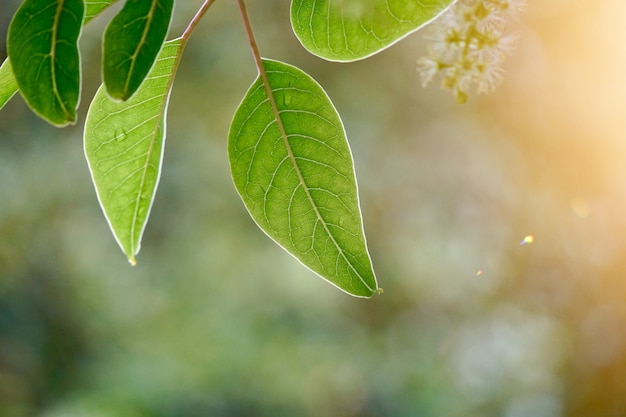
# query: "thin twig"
194,22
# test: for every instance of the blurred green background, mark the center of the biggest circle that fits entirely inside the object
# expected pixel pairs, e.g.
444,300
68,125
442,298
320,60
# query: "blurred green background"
216,320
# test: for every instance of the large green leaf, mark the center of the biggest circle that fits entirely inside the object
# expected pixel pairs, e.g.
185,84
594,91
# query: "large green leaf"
293,168
124,144
131,43
349,30
8,84
42,44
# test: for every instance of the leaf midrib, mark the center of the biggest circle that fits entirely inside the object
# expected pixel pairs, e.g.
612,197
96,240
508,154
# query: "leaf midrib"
158,123
55,88
144,35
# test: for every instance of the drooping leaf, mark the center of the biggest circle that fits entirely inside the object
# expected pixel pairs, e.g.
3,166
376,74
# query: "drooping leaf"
131,43
124,144
42,45
349,30
293,169
8,84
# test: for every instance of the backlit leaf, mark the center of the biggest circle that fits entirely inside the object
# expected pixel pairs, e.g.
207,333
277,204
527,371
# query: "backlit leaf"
94,7
42,45
8,85
349,30
124,144
296,177
131,43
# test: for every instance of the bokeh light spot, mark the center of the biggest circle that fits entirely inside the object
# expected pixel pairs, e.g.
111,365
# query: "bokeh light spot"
527,240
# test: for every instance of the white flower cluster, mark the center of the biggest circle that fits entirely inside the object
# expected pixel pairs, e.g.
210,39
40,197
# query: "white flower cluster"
468,46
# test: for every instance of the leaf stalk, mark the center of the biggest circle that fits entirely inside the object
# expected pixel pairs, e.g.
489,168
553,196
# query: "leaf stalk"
194,22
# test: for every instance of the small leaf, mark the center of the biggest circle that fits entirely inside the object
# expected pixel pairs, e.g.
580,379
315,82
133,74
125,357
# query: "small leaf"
295,175
94,7
42,45
8,84
349,30
131,43
124,144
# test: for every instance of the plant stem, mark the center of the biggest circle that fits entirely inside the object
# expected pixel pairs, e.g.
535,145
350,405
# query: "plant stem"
253,45
262,73
194,22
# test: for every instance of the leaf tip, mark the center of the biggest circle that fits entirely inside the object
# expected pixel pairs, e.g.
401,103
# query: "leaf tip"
71,119
132,260
379,291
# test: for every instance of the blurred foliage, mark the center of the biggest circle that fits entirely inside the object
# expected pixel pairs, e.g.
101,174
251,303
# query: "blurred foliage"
471,323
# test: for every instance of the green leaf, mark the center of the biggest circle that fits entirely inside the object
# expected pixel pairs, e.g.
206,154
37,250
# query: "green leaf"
293,169
124,144
131,43
42,44
8,84
94,7
349,30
